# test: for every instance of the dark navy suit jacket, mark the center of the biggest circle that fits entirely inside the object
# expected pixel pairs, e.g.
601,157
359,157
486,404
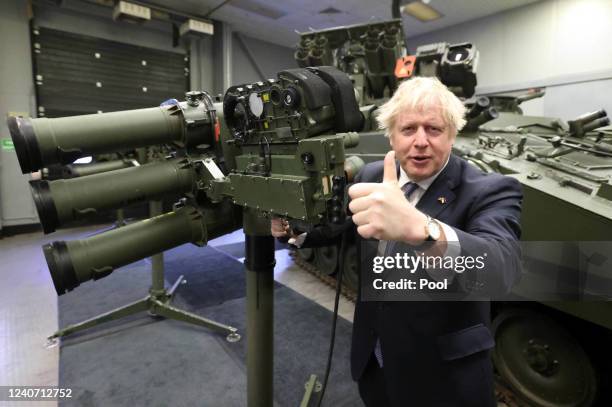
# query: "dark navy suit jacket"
436,353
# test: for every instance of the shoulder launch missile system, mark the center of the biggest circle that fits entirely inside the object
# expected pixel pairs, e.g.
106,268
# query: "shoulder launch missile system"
284,137
271,148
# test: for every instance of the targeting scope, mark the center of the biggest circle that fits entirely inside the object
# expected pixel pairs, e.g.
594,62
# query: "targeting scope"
290,135
43,141
301,103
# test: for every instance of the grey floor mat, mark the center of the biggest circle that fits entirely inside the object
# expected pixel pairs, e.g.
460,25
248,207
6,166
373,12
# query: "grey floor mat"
143,361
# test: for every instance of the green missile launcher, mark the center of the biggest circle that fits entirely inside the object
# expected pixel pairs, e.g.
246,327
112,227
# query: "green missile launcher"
278,152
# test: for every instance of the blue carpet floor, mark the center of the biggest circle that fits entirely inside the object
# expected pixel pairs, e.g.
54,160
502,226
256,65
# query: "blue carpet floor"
146,361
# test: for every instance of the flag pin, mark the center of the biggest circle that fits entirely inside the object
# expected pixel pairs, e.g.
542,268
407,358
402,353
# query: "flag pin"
442,200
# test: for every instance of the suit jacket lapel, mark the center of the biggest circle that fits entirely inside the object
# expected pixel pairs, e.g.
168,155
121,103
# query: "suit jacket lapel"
440,193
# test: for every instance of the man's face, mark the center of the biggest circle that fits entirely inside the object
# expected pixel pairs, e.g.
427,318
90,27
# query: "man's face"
422,142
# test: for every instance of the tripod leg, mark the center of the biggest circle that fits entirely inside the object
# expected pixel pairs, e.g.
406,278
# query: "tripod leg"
168,311
129,309
312,387
175,285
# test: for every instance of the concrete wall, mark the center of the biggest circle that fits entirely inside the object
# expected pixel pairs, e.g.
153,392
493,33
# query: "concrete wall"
270,58
16,97
202,64
239,59
560,44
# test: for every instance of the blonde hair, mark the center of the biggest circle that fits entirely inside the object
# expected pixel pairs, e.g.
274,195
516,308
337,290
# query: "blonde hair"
421,94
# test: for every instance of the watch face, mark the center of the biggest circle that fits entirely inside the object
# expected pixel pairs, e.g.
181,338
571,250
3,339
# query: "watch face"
434,229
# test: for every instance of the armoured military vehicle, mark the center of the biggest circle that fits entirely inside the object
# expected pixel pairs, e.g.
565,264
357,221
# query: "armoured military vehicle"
550,353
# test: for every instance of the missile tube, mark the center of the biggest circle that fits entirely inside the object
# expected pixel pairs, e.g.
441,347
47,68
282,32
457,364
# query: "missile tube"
62,201
74,262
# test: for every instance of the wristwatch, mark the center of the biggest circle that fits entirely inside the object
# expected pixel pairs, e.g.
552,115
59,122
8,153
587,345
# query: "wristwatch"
432,230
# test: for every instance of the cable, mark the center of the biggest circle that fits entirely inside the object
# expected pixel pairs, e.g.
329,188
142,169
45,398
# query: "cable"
268,157
332,340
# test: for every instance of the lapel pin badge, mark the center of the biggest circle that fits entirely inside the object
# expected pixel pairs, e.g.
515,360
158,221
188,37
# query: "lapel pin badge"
442,200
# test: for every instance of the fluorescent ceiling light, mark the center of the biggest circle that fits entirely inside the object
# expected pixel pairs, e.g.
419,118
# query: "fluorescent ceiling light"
420,11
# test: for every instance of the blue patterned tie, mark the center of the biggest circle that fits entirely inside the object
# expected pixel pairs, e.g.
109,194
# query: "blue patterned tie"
378,352
408,188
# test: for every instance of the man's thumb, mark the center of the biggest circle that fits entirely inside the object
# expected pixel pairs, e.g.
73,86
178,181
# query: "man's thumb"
390,174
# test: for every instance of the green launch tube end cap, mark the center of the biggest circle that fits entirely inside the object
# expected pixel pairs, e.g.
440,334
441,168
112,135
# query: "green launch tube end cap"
26,145
60,267
47,212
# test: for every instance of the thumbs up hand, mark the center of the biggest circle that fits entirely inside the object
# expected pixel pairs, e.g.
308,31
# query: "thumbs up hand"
390,172
381,211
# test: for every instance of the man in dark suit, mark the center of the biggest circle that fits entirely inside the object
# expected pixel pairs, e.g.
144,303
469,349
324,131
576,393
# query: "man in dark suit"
427,353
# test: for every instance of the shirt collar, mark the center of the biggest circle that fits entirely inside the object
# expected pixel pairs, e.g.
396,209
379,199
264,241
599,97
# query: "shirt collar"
424,184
